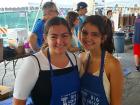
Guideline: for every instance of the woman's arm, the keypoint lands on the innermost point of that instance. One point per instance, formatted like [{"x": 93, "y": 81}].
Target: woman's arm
[
  {"x": 18, "y": 102},
  {"x": 25, "y": 81},
  {"x": 116, "y": 82}
]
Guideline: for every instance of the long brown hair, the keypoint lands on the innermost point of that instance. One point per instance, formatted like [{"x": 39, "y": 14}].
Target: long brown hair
[{"x": 108, "y": 44}]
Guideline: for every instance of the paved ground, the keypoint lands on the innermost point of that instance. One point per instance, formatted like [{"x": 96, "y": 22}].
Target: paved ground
[{"x": 131, "y": 95}]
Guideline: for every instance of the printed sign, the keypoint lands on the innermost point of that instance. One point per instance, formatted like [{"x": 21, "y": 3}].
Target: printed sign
[
  {"x": 70, "y": 99},
  {"x": 90, "y": 98}
]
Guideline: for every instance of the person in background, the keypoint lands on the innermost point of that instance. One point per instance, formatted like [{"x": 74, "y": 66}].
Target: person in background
[
  {"x": 109, "y": 15},
  {"x": 36, "y": 38},
  {"x": 81, "y": 10},
  {"x": 73, "y": 21},
  {"x": 101, "y": 78},
  {"x": 136, "y": 47},
  {"x": 51, "y": 75}
]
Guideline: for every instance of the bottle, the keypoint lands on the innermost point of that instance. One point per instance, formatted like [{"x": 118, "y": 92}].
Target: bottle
[{"x": 27, "y": 47}]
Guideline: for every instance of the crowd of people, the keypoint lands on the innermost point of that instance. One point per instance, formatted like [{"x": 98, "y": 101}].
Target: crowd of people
[{"x": 57, "y": 75}]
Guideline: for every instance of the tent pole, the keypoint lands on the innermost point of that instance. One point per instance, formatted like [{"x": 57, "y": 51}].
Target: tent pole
[
  {"x": 5, "y": 23},
  {"x": 27, "y": 20}
]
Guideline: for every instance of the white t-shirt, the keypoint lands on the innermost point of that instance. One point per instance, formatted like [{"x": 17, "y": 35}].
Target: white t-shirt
[{"x": 29, "y": 71}]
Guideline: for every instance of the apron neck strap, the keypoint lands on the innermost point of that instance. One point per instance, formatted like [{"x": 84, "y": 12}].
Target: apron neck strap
[
  {"x": 70, "y": 59},
  {"x": 101, "y": 66},
  {"x": 87, "y": 64},
  {"x": 49, "y": 59}
]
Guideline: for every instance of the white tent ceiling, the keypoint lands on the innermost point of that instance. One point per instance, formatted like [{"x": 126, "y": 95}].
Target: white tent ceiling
[
  {"x": 24, "y": 3},
  {"x": 123, "y": 4},
  {"x": 13, "y": 3},
  {"x": 120, "y": 3}
]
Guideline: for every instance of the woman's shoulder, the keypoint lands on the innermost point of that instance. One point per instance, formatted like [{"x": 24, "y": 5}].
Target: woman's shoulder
[
  {"x": 112, "y": 63},
  {"x": 38, "y": 57},
  {"x": 112, "y": 66},
  {"x": 111, "y": 59},
  {"x": 83, "y": 56}
]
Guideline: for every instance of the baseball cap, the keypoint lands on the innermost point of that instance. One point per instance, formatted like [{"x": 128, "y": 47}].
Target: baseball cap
[{"x": 81, "y": 5}]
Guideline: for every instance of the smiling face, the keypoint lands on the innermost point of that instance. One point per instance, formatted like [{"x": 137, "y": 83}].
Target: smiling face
[
  {"x": 91, "y": 38},
  {"x": 58, "y": 39}
]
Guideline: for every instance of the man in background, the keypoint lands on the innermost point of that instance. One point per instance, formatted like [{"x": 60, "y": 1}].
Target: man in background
[
  {"x": 109, "y": 15},
  {"x": 81, "y": 10},
  {"x": 49, "y": 10}
]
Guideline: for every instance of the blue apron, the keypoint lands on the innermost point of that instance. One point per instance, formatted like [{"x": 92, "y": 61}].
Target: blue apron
[
  {"x": 65, "y": 88},
  {"x": 92, "y": 89}
]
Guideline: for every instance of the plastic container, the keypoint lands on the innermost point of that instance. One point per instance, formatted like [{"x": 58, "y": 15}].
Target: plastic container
[{"x": 119, "y": 40}]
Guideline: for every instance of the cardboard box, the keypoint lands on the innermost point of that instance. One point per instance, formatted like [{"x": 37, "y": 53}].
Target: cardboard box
[
  {"x": 5, "y": 92},
  {"x": 4, "y": 89}
]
